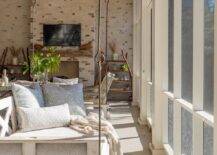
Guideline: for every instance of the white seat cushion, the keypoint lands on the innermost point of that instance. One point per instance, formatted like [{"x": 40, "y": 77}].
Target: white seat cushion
[{"x": 51, "y": 133}]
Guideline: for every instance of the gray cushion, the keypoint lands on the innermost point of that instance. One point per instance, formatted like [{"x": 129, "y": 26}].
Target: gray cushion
[
  {"x": 70, "y": 94},
  {"x": 65, "y": 81},
  {"x": 43, "y": 118},
  {"x": 28, "y": 96}
]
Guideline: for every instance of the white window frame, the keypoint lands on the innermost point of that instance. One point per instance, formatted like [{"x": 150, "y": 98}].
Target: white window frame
[
  {"x": 159, "y": 122},
  {"x": 196, "y": 108},
  {"x": 136, "y": 51},
  {"x": 160, "y": 48},
  {"x": 146, "y": 83}
]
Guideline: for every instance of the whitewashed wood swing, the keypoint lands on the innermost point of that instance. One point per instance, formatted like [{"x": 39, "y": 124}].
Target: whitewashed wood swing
[{"x": 54, "y": 141}]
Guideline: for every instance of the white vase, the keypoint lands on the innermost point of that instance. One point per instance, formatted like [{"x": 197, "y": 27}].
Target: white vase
[
  {"x": 115, "y": 56},
  {"x": 5, "y": 78},
  {"x": 14, "y": 61}
]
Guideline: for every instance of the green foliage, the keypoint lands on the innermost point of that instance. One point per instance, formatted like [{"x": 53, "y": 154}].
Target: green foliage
[
  {"x": 124, "y": 67},
  {"x": 43, "y": 63}
]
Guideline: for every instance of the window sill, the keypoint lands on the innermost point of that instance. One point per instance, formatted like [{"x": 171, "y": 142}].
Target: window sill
[
  {"x": 149, "y": 120},
  {"x": 168, "y": 149},
  {"x": 206, "y": 117},
  {"x": 150, "y": 83},
  {"x": 170, "y": 95},
  {"x": 187, "y": 105}
]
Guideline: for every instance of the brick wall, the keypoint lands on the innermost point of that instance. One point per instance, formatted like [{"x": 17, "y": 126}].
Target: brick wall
[{"x": 15, "y": 18}]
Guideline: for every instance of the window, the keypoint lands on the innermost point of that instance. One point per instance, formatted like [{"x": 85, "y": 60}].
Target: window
[
  {"x": 187, "y": 49},
  {"x": 208, "y": 54},
  {"x": 170, "y": 45},
  {"x": 186, "y": 75},
  {"x": 189, "y": 108},
  {"x": 186, "y": 132},
  {"x": 170, "y": 123},
  {"x": 170, "y": 70},
  {"x": 207, "y": 140},
  {"x": 151, "y": 47}
]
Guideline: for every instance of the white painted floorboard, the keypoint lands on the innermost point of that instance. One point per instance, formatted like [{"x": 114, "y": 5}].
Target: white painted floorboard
[{"x": 135, "y": 139}]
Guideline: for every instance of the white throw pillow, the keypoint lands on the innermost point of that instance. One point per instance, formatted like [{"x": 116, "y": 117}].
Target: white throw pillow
[
  {"x": 65, "y": 81},
  {"x": 28, "y": 96},
  {"x": 43, "y": 118}
]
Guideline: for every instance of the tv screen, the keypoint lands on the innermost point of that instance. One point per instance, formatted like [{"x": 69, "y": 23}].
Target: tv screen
[{"x": 62, "y": 35}]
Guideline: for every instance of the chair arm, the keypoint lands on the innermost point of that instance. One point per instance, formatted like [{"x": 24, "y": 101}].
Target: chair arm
[
  {"x": 91, "y": 104},
  {"x": 93, "y": 89}
]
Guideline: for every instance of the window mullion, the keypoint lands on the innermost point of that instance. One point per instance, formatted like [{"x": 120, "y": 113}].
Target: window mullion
[
  {"x": 197, "y": 136},
  {"x": 177, "y": 128},
  {"x": 198, "y": 54},
  {"x": 177, "y": 76},
  {"x": 177, "y": 48},
  {"x": 215, "y": 83},
  {"x": 165, "y": 121},
  {"x": 143, "y": 88},
  {"x": 198, "y": 74}
]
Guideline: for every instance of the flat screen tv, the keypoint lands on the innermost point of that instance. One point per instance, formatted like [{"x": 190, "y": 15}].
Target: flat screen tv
[{"x": 62, "y": 35}]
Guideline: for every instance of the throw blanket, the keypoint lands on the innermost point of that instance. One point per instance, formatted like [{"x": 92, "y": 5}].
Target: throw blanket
[{"x": 90, "y": 125}]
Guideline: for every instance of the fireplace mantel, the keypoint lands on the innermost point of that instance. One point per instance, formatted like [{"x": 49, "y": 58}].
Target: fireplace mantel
[
  {"x": 71, "y": 53},
  {"x": 86, "y": 63},
  {"x": 75, "y": 53}
]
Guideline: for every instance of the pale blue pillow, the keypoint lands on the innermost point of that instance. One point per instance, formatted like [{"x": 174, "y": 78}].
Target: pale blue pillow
[
  {"x": 60, "y": 94},
  {"x": 28, "y": 96},
  {"x": 43, "y": 118}
]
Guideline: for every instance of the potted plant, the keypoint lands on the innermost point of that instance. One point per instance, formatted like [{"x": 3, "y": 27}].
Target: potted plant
[
  {"x": 125, "y": 67},
  {"x": 42, "y": 64},
  {"x": 15, "y": 53},
  {"x": 113, "y": 49}
]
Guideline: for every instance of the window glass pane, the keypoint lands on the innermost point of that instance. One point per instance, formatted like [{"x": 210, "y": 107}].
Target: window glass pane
[
  {"x": 152, "y": 56},
  {"x": 207, "y": 140},
  {"x": 170, "y": 50},
  {"x": 208, "y": 54},
  {"x": 186, "y": 132},
  {"x": 187, "y": 49},
  {"x": 170, "y": 123},
  {"x": 152, "y": 102}
]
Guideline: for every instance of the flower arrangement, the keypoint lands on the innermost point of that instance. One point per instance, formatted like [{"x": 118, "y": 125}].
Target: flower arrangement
[{"x": 42, "y": 64}]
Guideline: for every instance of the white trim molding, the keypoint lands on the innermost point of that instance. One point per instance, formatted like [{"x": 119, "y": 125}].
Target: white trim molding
[
  {"x": 156, "y": 151},
  {"x": 160, "y": 48}
]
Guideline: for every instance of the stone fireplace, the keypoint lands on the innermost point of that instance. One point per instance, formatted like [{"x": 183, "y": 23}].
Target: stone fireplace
[
  {"x": 69, "y": 69},
  {"x": 83, "y": 62},
  {"x": 75, "y": 62}
]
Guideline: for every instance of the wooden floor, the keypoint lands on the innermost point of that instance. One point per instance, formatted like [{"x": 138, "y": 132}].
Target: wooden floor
[{"x": 134, "y": 138}]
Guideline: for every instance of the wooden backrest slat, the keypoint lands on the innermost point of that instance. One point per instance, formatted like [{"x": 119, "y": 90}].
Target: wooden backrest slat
[
  {"x": 8, "y": 105},
  {"x": 5, "y": 103}
]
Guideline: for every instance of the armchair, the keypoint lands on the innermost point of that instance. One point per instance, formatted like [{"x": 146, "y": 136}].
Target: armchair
[{"x": 91, "y": 94}]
